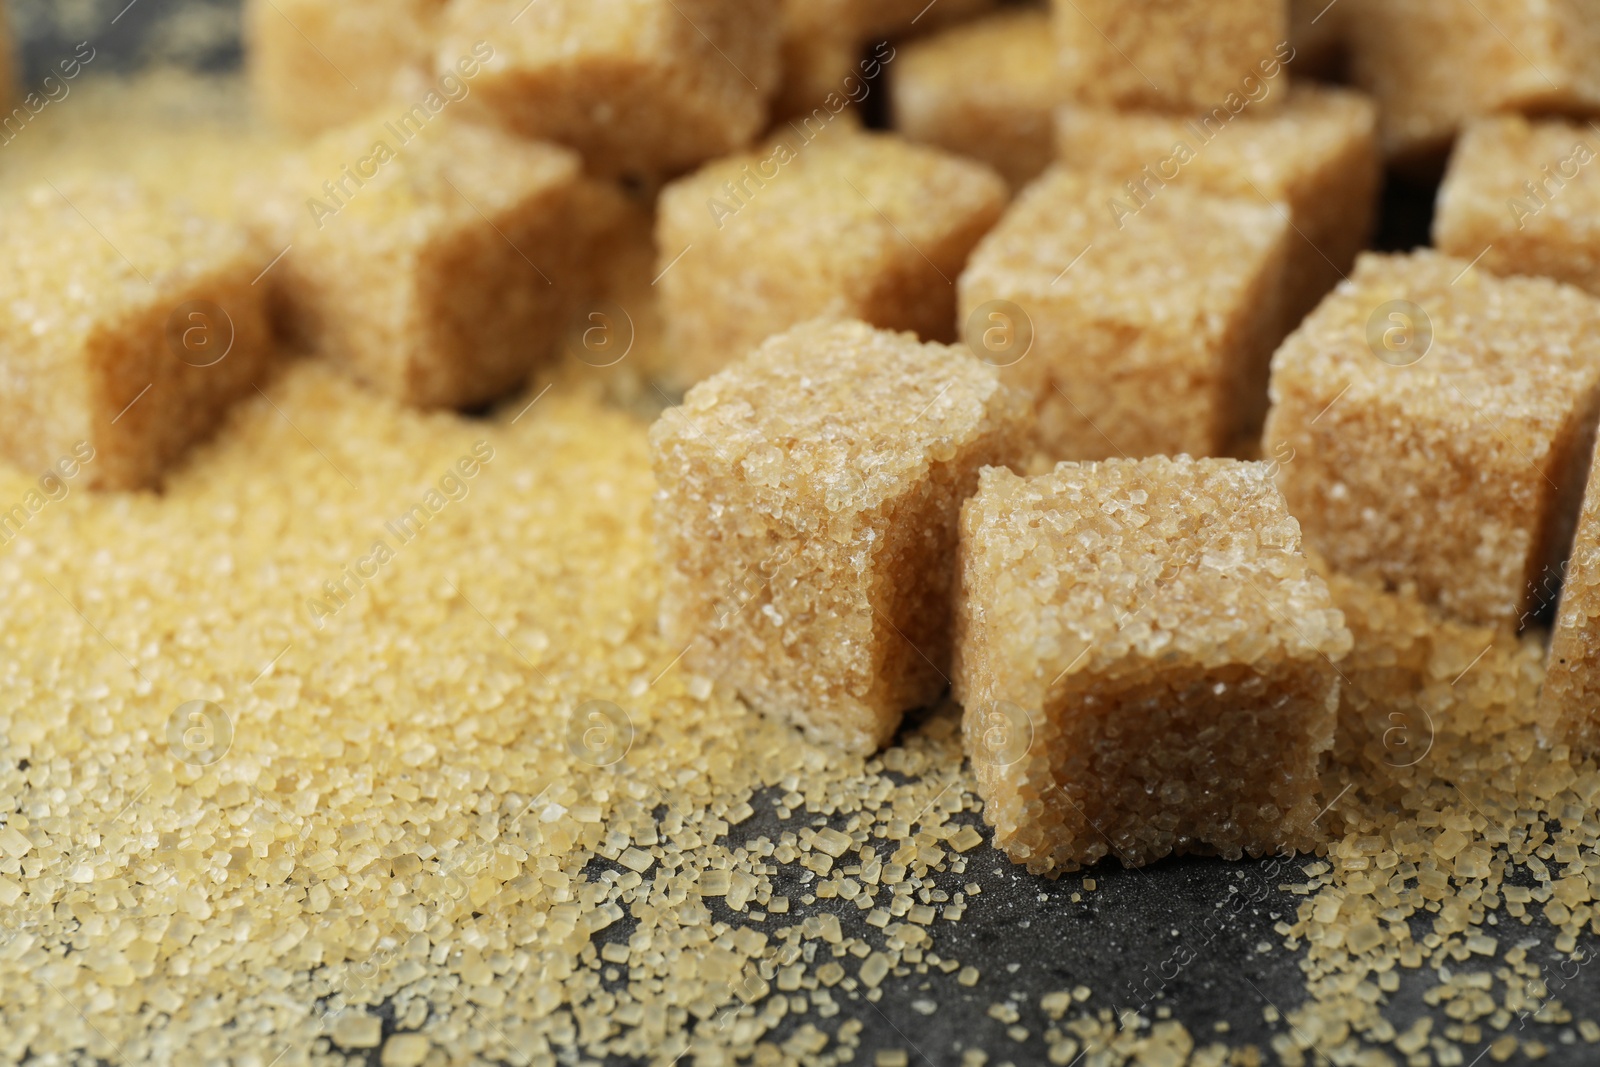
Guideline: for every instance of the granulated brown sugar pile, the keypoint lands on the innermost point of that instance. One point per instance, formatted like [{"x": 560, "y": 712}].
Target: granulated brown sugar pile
[
  {"x": 428, "y": 733},
  {"x": 358, "y": 740}
]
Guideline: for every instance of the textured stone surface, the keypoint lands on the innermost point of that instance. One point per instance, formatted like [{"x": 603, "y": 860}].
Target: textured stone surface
[{"x": 1177, "y": 55}]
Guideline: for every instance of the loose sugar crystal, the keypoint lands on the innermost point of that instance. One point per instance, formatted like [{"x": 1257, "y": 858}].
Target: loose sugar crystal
[
  {"x": 1148, "y": 328},
  {"x": 433, "y": 261},
  {"x": 128, "y": 329},
  {"x": 1178, "y": 55},
  {"x": 1434, "y": 65},
  {"x": 316, "y": 64},
  {"x": 826, "y": 220},
  {"x": 985, "y": 89},
  {"x": 1526, "y": 198},
  {"x": 1146, "y": 660},
  {"x": 1433, "y": 422},
  {"x": 806, "y": 521},
  {"x": 639, "y": 86},
  {"x": 1317, "y": 154}
]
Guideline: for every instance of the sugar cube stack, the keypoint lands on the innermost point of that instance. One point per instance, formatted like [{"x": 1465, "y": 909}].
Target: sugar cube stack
[
  {"x": 1434, "y": 65},
  {"x": 1569, "y": 703},
  {"x": 315, "y": 64},
  {"x": 128, "y": 329},
  {"x": 984, "y": 89},
  {"x": 1524, "y": 197},
  {"x": 1173, "y": 55},
  {"x": 637, "y": 86},
  {"x": 436, "y": 263},
  {"x": 824, "y": 220},
  {"x": 1439, "y": 420},
  {"x": 806, "y": 521},
  {"x": 1151, "y": 331},
  {"x": 1146, "y": 660},
  {"x": 1317, "y": 155}
]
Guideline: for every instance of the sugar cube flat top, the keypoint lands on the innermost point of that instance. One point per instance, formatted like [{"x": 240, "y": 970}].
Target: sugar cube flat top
[
  {"x": 1523, "y": 195},
  {"x": 80, "y": 249},
  {"x": 1106, "y": 567},
  {"x": 1129, "y": 270},
  {"x": 866, "y": 411},
  {"x": 1174, "y": 55},
  {"x": 316, "y": 65},
  {"x": 1499, "y": 352},
  {"x": 857, "y": 191},
  {"x": 580, "y": 622},
  {"x": 641, "y": 87},
  {"x": 1006, "y": 57},
  {"x": 399, "y": 183},
  {"x": 1276, "y": 154}
]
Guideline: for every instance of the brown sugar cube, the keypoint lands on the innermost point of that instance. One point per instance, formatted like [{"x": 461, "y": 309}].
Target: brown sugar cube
[
  {"x": 806, "y": 521},
  {"x": 985, "y": 89},
  {"x": 1136, "y": 335},
  {"x": 435, "y": 264},
  {"x": 1524, "y": 196},
  {"x": 1317, "y": 154},
  {"x": 129, "y": 326},
  {"x": 1146, "y": 660},
  {"x": 1435, "y": 421},
  {"x": 316, "y": 64},
  {"x": 827, "y": 220},
  {"x": 1569, "y": 703},
  {"x": 636, "y": 86},
  {"x": 1178, "y": 55},
  {"x": 1434, "y": 65}
]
